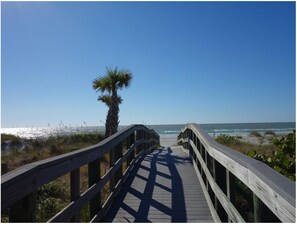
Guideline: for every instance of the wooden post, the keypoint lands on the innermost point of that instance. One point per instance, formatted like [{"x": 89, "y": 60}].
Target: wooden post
[
  {"x": 74, "y": 191},
  {"x": 128, "y": 144},
  {"x": 138, "y": 137},
  {"x": 215, "y": 179},
  {"x": 118, "y": 155},
  {"x": 111, "y": 164},
  {"x": 230, "y": 185},
  {"x": 191, "y": 151},
  {"x": 221, "y": 182},
  {"x": 132, "y": 141},
  {"x": 94, "y": 177},
  {"x": 257, "y": 209},
  {"x": 24, "y": 210}
]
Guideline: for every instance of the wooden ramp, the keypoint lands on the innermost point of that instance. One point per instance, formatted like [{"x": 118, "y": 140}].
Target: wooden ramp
[{"x": 162, "y": 187}]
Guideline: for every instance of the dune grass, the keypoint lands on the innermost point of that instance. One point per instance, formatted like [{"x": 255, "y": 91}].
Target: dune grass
[
  {"x": 54, "y": 196},
  {"x": 22, "y": 151}
]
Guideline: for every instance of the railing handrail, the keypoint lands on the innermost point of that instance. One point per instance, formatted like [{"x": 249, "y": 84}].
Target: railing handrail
[
  {"x": 260, "y": 178},
  {"x": 19, "y": 183}
]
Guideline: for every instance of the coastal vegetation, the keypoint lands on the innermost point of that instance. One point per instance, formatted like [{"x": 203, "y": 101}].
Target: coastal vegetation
[
  {"x": 278, "y": 152},
  {"x": 54, "y": 196},
  {"x": 16, "y": 151},
  {"x": 110, "y": 83}
]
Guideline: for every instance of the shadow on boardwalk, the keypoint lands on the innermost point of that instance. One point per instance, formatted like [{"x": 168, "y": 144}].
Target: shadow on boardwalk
[{"x": 153, "y": 192}]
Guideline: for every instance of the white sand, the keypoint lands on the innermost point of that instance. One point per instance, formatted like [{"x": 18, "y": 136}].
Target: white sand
[
  {"x": 171, "y": 140},
  {"x": 168, "y": 140}
]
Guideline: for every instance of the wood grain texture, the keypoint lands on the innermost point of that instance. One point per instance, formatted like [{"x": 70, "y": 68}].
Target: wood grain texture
[
  {"x": 18, "y": 184},
  {"x": 272, "y": 188},
  {"x": 163, "y": 187}
]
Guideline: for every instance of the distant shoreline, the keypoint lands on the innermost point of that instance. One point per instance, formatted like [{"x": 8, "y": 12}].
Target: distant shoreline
[{"x": 233, "y": 129}]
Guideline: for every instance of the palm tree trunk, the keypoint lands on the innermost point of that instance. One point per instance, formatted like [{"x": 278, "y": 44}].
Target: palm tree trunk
[
  {"x": 114, "y": 107},
  {"x": 108, "y": 124}
]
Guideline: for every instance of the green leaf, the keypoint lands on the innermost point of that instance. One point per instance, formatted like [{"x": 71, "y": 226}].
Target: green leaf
[
  {"x": 251, "y": 153},
  {"x": 277, "y": 168}
]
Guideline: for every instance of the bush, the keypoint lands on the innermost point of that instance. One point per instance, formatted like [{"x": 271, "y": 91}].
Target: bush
[
  {"x": 51, "y": 198},
  {"x": 16, "y": 140},
  {"x": 282, "y": 160},
  {"x": 227, "y": 139}
]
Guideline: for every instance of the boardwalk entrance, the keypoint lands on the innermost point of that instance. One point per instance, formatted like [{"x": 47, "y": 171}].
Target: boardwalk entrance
[{"x": 163, "y": 187}]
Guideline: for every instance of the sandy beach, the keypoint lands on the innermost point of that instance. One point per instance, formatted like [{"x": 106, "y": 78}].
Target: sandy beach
[
  {"x": 171, "y": 140},
  {"x": 168, "y": 140}
]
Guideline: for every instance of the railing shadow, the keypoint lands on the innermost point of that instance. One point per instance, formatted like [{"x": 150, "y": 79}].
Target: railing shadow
[{"x": 162, "y": 194}]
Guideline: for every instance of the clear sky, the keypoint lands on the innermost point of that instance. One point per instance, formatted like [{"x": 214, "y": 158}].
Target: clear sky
[{"x": 203, "y": 62}]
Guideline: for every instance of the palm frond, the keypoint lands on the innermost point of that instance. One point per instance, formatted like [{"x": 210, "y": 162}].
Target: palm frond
[
  {"x": 102, "y": 84},
  {"x": 124, "y": 79},
  {"x": 107, "y": 99}
]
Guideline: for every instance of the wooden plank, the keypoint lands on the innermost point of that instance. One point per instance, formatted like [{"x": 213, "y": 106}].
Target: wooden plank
[
  {"x": 21, "y": 182},
  {"x": 275, "y": 190},
  {"x": 178, "y": 199},
  {"x": 71, "y": 209},
  {"x": 93, "y": 190},
  {"x": 94, "y": 177},
  {"x": 233, "y": 214},
  {"x": 24, "y": 210},
  {"x": 75, "y": 191}
]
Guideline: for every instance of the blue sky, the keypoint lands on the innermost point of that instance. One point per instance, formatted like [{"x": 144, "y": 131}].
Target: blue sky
[{"x": 203, "y": 62}]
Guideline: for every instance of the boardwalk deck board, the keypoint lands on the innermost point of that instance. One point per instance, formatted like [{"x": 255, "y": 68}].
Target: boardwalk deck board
[{"x": 163, "y": 187}]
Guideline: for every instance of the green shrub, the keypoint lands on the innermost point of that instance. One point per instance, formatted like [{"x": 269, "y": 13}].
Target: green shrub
[
  {"x": 51, "y": 198},
  {"x": 282, "y": 160},
  {"x": 16, "y": 140},
  {"x": 227, "y": 139}
]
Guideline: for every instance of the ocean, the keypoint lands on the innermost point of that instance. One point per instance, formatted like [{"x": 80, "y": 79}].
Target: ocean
[{"x": 237, "y": 129}]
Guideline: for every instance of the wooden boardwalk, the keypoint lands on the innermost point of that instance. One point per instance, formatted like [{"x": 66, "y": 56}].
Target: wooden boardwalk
[{"x": 162, "y": 187}]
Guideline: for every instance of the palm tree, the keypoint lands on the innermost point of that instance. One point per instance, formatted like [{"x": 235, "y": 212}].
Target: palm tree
[
  {"x": 111, "y": 83},
  {"x": 106, "y": 99}
]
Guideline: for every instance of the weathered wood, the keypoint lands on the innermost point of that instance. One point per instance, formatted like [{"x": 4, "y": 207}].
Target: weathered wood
[
  {"x": 111, "y": 197},
  {"x": 94, "y": 177},
  {"x": 24, "y": 210},
  {"x": 74, "y": 191},
  {"x": 17, "y": 185},
  {"x": 96, "y": 188},
  {"x": 163, "y": 187},
  {"x": 233, "y": 214},
  {"x": 257, "y": 209},
  {"x": 272, "y": 188}
]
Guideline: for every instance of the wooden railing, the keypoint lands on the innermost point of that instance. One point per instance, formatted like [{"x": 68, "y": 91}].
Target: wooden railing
[
  {"x": 233, "y": 182},
  {"x": 18, "y": 188}
]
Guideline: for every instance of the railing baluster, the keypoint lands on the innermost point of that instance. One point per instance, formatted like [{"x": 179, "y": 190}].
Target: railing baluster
[
  {"x": 257, "y": 211},
  {"x": 94, "y": 177},
  {"x": 24, "y": 210},
  {"x": 226, "y": 170},
  {"x": 132, "y": 141},
  {"x": 118, "y": 155},
  {"x": 230, "y": 185},
  {"x": 112, "y": 182},
  {"x": 74, "y": 191}
]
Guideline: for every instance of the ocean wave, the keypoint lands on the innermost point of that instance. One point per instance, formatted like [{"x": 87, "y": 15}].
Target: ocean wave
[{"x": 171, "y": 131}]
